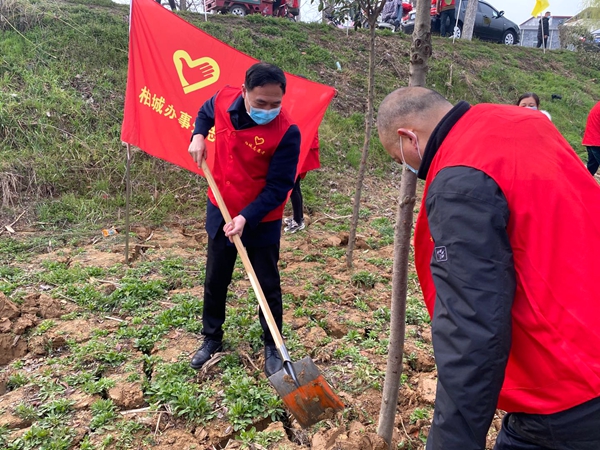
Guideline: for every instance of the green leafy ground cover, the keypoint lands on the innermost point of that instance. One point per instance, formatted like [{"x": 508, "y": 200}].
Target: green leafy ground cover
[{"x": 100, "y": 349}]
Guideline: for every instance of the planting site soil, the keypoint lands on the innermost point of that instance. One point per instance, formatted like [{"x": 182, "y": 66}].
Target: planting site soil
[{"x": 95, "y": 353}]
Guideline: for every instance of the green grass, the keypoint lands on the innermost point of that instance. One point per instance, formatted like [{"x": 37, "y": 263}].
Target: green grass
[{"x": 62, "y": 83}]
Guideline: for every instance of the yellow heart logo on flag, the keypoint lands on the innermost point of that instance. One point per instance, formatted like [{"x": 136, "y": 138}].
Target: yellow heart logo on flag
[
  {"x": 258, "y": 140},
  {"x": 207, "y": 73}
]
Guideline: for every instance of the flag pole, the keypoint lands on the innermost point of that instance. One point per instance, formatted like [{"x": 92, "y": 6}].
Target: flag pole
[
  {"x": 127, "y": 198},
  {"x": 456, "y": 24},
  {"x": 205, "y": 11}
]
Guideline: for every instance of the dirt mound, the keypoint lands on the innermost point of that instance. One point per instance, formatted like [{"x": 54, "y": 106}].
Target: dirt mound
[{"x": 16, "y": 320}]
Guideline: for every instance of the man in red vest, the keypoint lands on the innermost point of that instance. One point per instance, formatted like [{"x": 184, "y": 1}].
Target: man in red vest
[
  {"x": 506, "y": 246},
  {"x": 256, "y": 154},
  {"x": 446, "y": 10},
  {"x": 591, "y": 139}
]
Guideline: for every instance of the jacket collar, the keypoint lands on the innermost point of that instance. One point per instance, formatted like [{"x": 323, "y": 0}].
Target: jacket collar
[{"x": 439, "y": 134}]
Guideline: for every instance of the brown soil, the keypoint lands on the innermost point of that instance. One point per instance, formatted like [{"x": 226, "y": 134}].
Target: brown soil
[{"x": 353, "y": 429}]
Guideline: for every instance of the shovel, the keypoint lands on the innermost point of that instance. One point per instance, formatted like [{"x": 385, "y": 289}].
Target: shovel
[{"x": 301, "y": 386}]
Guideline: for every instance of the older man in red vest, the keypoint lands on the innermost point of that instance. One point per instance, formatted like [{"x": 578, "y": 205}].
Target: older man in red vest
[
  {"x": 505, "y": 249},
  {"x": 256, "y": 154}
]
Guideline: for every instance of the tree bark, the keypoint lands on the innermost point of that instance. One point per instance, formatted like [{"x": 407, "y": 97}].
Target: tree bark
[
  {"x": 469, "y": 24},
  {"x": 420, "y": 53}
]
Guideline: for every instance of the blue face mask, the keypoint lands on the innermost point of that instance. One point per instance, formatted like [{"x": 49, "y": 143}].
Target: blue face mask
[
  {"x": 411, "y": 168},
  {"x": 263, "y": 116},
  {"x": 408, "y": 166}
]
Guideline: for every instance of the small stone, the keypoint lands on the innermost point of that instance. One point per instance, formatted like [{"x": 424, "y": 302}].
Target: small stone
[{"x": 8, "y": 310}]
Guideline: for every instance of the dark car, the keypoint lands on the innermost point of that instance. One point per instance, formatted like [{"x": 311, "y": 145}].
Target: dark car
[{"x": 490, "y": 24}]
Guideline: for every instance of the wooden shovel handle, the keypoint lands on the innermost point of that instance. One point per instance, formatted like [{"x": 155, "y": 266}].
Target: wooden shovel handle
[{"x": 245, "y": 260}]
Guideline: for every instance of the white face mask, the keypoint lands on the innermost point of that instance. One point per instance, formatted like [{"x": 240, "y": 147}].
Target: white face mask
[
  {"x": 408, "y": 166},
  {"x": 532, "y": 107}
]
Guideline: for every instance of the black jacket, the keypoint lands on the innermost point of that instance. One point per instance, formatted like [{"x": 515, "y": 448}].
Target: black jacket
[{"x": 545, "y": 24}]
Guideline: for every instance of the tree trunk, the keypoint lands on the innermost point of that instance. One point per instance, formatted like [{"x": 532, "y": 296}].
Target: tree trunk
[
  {"x": 420, "y": 53},
  {"x": 420, "y": 50},
  {"x": 469, "y": 24},
  {"x": 365, "y": 151}
]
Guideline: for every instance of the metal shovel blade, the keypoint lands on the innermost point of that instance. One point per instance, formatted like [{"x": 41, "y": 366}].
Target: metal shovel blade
[{"x": 313, "y": 399}]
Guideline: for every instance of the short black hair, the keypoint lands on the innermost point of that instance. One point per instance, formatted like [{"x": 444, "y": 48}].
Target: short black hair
[
  {"x": 263, "y": 73},
  {"x": 529, "y": 95}
]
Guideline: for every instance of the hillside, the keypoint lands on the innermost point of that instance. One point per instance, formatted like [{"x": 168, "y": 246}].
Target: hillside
[
  {"x": 94, "y": 353},
  {"x": 64, "y": 74}
]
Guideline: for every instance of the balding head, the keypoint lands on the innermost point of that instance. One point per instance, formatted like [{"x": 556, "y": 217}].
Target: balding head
[{"x": 413, "y": 112}]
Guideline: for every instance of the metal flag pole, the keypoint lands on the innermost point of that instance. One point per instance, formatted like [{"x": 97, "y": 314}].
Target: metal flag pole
[
  {"x": 543, "y": 40},
  {"x": 127, "y": 198},
  {"x": 456, "y": 24}
]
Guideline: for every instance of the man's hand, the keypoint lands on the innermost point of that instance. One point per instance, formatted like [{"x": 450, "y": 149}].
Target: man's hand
[
  {"x": 197, "y": 149},
  {"x": 236, "y": 226}
]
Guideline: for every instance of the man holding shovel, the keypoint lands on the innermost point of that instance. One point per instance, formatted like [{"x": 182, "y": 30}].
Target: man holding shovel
[
  {"x": 256, "y": 154},
  {"x": 505, "y": 247}
]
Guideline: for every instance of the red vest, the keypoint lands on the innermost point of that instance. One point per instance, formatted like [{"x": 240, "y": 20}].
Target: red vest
[
  {"x": 443, "y": 5},
  {"x": 554, "y": 231},
  {"x": 242, "y": 157},
  {"x": 591, "y": 137}
]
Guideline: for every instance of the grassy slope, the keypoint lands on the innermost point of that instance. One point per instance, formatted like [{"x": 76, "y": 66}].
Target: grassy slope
[{"x": 62, "y": 83}]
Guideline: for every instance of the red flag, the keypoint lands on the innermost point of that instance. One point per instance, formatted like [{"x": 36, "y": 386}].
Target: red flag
[{"x": 175, "y": 67}]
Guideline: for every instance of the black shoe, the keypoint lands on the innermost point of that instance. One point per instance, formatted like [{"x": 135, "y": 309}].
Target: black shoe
[
  {"x": 204, "y": 353},
  {"x": 272, "y": 360}
]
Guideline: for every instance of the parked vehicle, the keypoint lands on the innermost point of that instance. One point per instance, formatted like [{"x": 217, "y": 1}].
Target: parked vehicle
[
  {"x": 240, "y": 7},
  {"x": 490, "y": 24},
  {"x": 288, "y": 8}
]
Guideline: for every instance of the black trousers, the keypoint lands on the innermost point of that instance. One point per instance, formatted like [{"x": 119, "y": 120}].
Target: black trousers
[
  {"x": 449, "y": 16},
  {"x": 577, "y": 428},
  {"x": 219, "y": 269},
  {"x": 296, "y": 199},
  {"x": 544, "y": 42},
  {"x": 593, "y": 162}
]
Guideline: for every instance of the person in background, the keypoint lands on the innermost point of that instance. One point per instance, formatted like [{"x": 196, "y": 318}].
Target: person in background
[
  {"x": 532, "y": 101},
  {"x": 388, "y": 12},
  {"x": 256, "y": 154},
  {"x": 402, "y": 9},
  {"x": 277, "y": 7},
  {"x": 312, "y": 162},
  {"x": 506, "y": 245},
  {"x": 543, "y": 30},
  {"x": 591, "y": 139},
  {"x": 446, "y": 10}
]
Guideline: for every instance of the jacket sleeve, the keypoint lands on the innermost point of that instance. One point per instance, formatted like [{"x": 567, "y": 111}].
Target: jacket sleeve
[
  {"x": 474, "y": 277},
  {"x": 205, "y": 119},
  {"x": 281, "y": 177}
]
